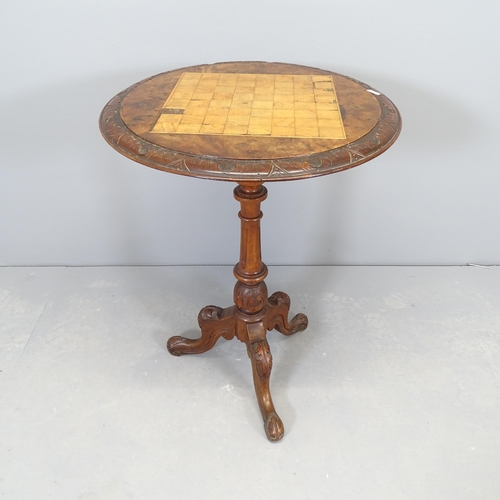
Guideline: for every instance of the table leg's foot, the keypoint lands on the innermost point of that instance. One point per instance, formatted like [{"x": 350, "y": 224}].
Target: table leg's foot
[
  {"x": 214, "y": 322},
  {"x": 274, "y": 427},
  {"x": 262, "y": 363},
  {"x": 277, "y": 315}
]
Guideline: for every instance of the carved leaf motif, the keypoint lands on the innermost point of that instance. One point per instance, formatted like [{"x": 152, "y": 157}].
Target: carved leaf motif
[
  {"x": 179, "y": 164},
  {"x": 355, "y": 155},
  {"x": 263, "y": 359},
  {"x": 277, "y": 170},
  {"x": 226, "y": 166}
]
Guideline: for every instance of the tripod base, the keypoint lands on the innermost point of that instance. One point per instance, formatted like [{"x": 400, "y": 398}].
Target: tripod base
[{"x": 216, "y": 322}]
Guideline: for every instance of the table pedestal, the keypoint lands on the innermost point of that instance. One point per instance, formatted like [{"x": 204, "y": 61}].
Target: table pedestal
[{"x": 253, "y": 314}]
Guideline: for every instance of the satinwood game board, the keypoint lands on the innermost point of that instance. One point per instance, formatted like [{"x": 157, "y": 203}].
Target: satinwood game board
[{"x": 241, "y": 104}]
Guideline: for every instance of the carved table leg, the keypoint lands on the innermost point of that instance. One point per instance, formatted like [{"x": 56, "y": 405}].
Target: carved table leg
[
  {"x": 262, "y": 363},
  {"x": 214, "y": 322},
  {"x": 277, "y": 315}
]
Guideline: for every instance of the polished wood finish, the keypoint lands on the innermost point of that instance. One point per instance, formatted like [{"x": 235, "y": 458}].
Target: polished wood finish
[
  {"x": 250, "y": 123},
  {"x": 252, "y": 105},
  {"x": 370, "y": 120}
]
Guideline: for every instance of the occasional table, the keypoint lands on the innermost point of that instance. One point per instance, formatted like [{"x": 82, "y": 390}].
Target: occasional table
[{"x": 250, "y": 123}]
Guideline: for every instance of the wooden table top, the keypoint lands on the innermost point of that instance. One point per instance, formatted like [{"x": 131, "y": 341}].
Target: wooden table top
[{"x": 251, "y": 121}]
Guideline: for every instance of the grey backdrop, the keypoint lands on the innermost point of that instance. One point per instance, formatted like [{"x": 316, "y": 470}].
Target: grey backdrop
[{"x": 67, "y": 198}]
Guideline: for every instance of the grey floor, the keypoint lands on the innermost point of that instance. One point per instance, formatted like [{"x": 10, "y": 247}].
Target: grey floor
[{"x": 391, "y": 393}]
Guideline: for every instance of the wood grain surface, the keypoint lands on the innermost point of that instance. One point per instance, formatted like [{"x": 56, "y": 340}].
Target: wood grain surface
[
  {"x": 299, "y": 122},
  {"x": 243, "y": 104}
]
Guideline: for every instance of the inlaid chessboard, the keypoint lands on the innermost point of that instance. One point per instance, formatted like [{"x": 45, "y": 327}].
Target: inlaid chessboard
[{"x": 240, "y": 104}]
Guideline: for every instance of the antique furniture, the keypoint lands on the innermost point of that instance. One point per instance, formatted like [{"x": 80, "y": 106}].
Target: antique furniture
[{"x": 250, "y": 123}]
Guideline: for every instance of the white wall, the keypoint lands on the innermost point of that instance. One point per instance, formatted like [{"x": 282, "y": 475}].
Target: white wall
[{"x": 67, "y": 198}]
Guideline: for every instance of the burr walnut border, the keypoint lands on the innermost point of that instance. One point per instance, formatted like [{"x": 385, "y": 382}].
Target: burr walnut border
[{"x": 375, "y": 142}]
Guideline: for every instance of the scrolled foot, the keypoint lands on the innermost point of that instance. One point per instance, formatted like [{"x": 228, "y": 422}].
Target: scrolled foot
[
  {"x": 277, "y": 316},
  {"x": 176, "y": 345},
  {"x": 298, "y": 324},
  {"x": 214, "y": 322}
]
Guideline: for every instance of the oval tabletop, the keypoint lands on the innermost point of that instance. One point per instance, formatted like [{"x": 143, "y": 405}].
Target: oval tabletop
[{"x": 251, "y": 121}]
